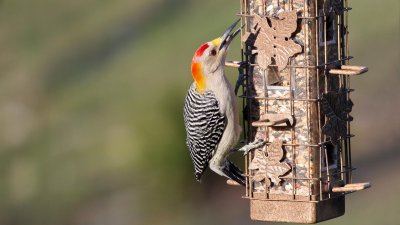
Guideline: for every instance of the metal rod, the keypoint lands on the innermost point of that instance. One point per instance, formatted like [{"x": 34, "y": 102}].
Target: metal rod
[
  {"x": 299, "y": 17},
  {"x": 327, "y": 168},
  {"x": 315, "y": 178},
  {"x": 308, "y": 90},
  {"x": 244, "y": 101},
  {"x": 317, "y": 44},
  {"x": 266, "y": 102},
  {"x": 236, "y": 64},
  {"x": 348, "y": 94},
  {"x": 281, "y": 99},
  {"x": 266, "y": 137}
]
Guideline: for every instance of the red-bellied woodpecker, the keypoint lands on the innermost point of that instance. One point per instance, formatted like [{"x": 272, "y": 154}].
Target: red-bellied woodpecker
[{"x": 210, "y": 111}]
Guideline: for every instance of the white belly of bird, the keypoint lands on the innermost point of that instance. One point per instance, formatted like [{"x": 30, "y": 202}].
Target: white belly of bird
[{"x": 228, "y": 106}]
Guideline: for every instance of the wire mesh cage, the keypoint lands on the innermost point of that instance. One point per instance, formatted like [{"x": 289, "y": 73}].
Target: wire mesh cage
[{"x": 296, "y": 98}]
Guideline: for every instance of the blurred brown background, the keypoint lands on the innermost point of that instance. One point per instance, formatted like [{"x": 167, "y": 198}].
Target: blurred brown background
[{"x": 91, "y": 128}]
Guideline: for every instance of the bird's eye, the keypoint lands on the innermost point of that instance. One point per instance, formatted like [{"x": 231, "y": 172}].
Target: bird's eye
[{"x": 213, "y": 52}]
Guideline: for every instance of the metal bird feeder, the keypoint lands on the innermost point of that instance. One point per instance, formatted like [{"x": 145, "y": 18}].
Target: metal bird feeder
[{"x": 296, "y": 98}]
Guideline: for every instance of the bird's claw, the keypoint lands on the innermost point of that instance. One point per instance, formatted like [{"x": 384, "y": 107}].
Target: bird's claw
[
  {"x": 250, "y": 146},
  {"x": 241, "y": 77},
  {"x": 239, "y": 83}
]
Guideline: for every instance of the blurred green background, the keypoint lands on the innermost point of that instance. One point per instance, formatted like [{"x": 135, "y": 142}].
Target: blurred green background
[{"x": 91, "y": 128}]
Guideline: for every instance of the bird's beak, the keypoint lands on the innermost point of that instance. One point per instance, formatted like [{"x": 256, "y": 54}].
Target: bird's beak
[{"x": 227, "y": 37}]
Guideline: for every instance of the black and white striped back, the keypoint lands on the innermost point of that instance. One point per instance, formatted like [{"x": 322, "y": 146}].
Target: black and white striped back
[{"x": 204, "y": 127}]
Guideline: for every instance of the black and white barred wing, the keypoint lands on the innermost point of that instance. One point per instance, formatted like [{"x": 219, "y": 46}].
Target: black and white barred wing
[{"x": 204, "y": 128}]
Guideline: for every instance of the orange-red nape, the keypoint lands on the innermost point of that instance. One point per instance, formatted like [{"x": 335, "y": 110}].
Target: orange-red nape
[{"x": 198, "y": 76}]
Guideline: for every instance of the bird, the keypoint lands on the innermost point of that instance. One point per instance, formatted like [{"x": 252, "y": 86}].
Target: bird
[{"x": 210, "y": 112}]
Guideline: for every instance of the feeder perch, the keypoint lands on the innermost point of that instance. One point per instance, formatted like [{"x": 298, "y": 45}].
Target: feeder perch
[
  {"x": 296, "y": 99},
  {"x": 352, "y": 187},
  {"x": 349, "y": 70},
  {"x": 233, "y": 64},
  {"x": 274, "y": 120}
]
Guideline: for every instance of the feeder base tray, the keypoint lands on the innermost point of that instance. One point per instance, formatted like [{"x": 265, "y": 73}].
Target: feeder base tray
[{"x": 297, "y": 211}]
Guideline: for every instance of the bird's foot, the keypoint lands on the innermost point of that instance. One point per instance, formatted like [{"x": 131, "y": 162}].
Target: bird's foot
[
  {"x": 250, "y": 146},
  {"x": 239, "y": 82},
  {"x": 241, "y": 77}
]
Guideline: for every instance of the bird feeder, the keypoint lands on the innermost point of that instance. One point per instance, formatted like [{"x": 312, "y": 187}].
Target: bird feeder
[{"x": 296, "y": 98}]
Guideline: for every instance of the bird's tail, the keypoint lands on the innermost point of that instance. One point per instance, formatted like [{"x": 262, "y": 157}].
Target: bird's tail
[{"x": 234, "y": 173}]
